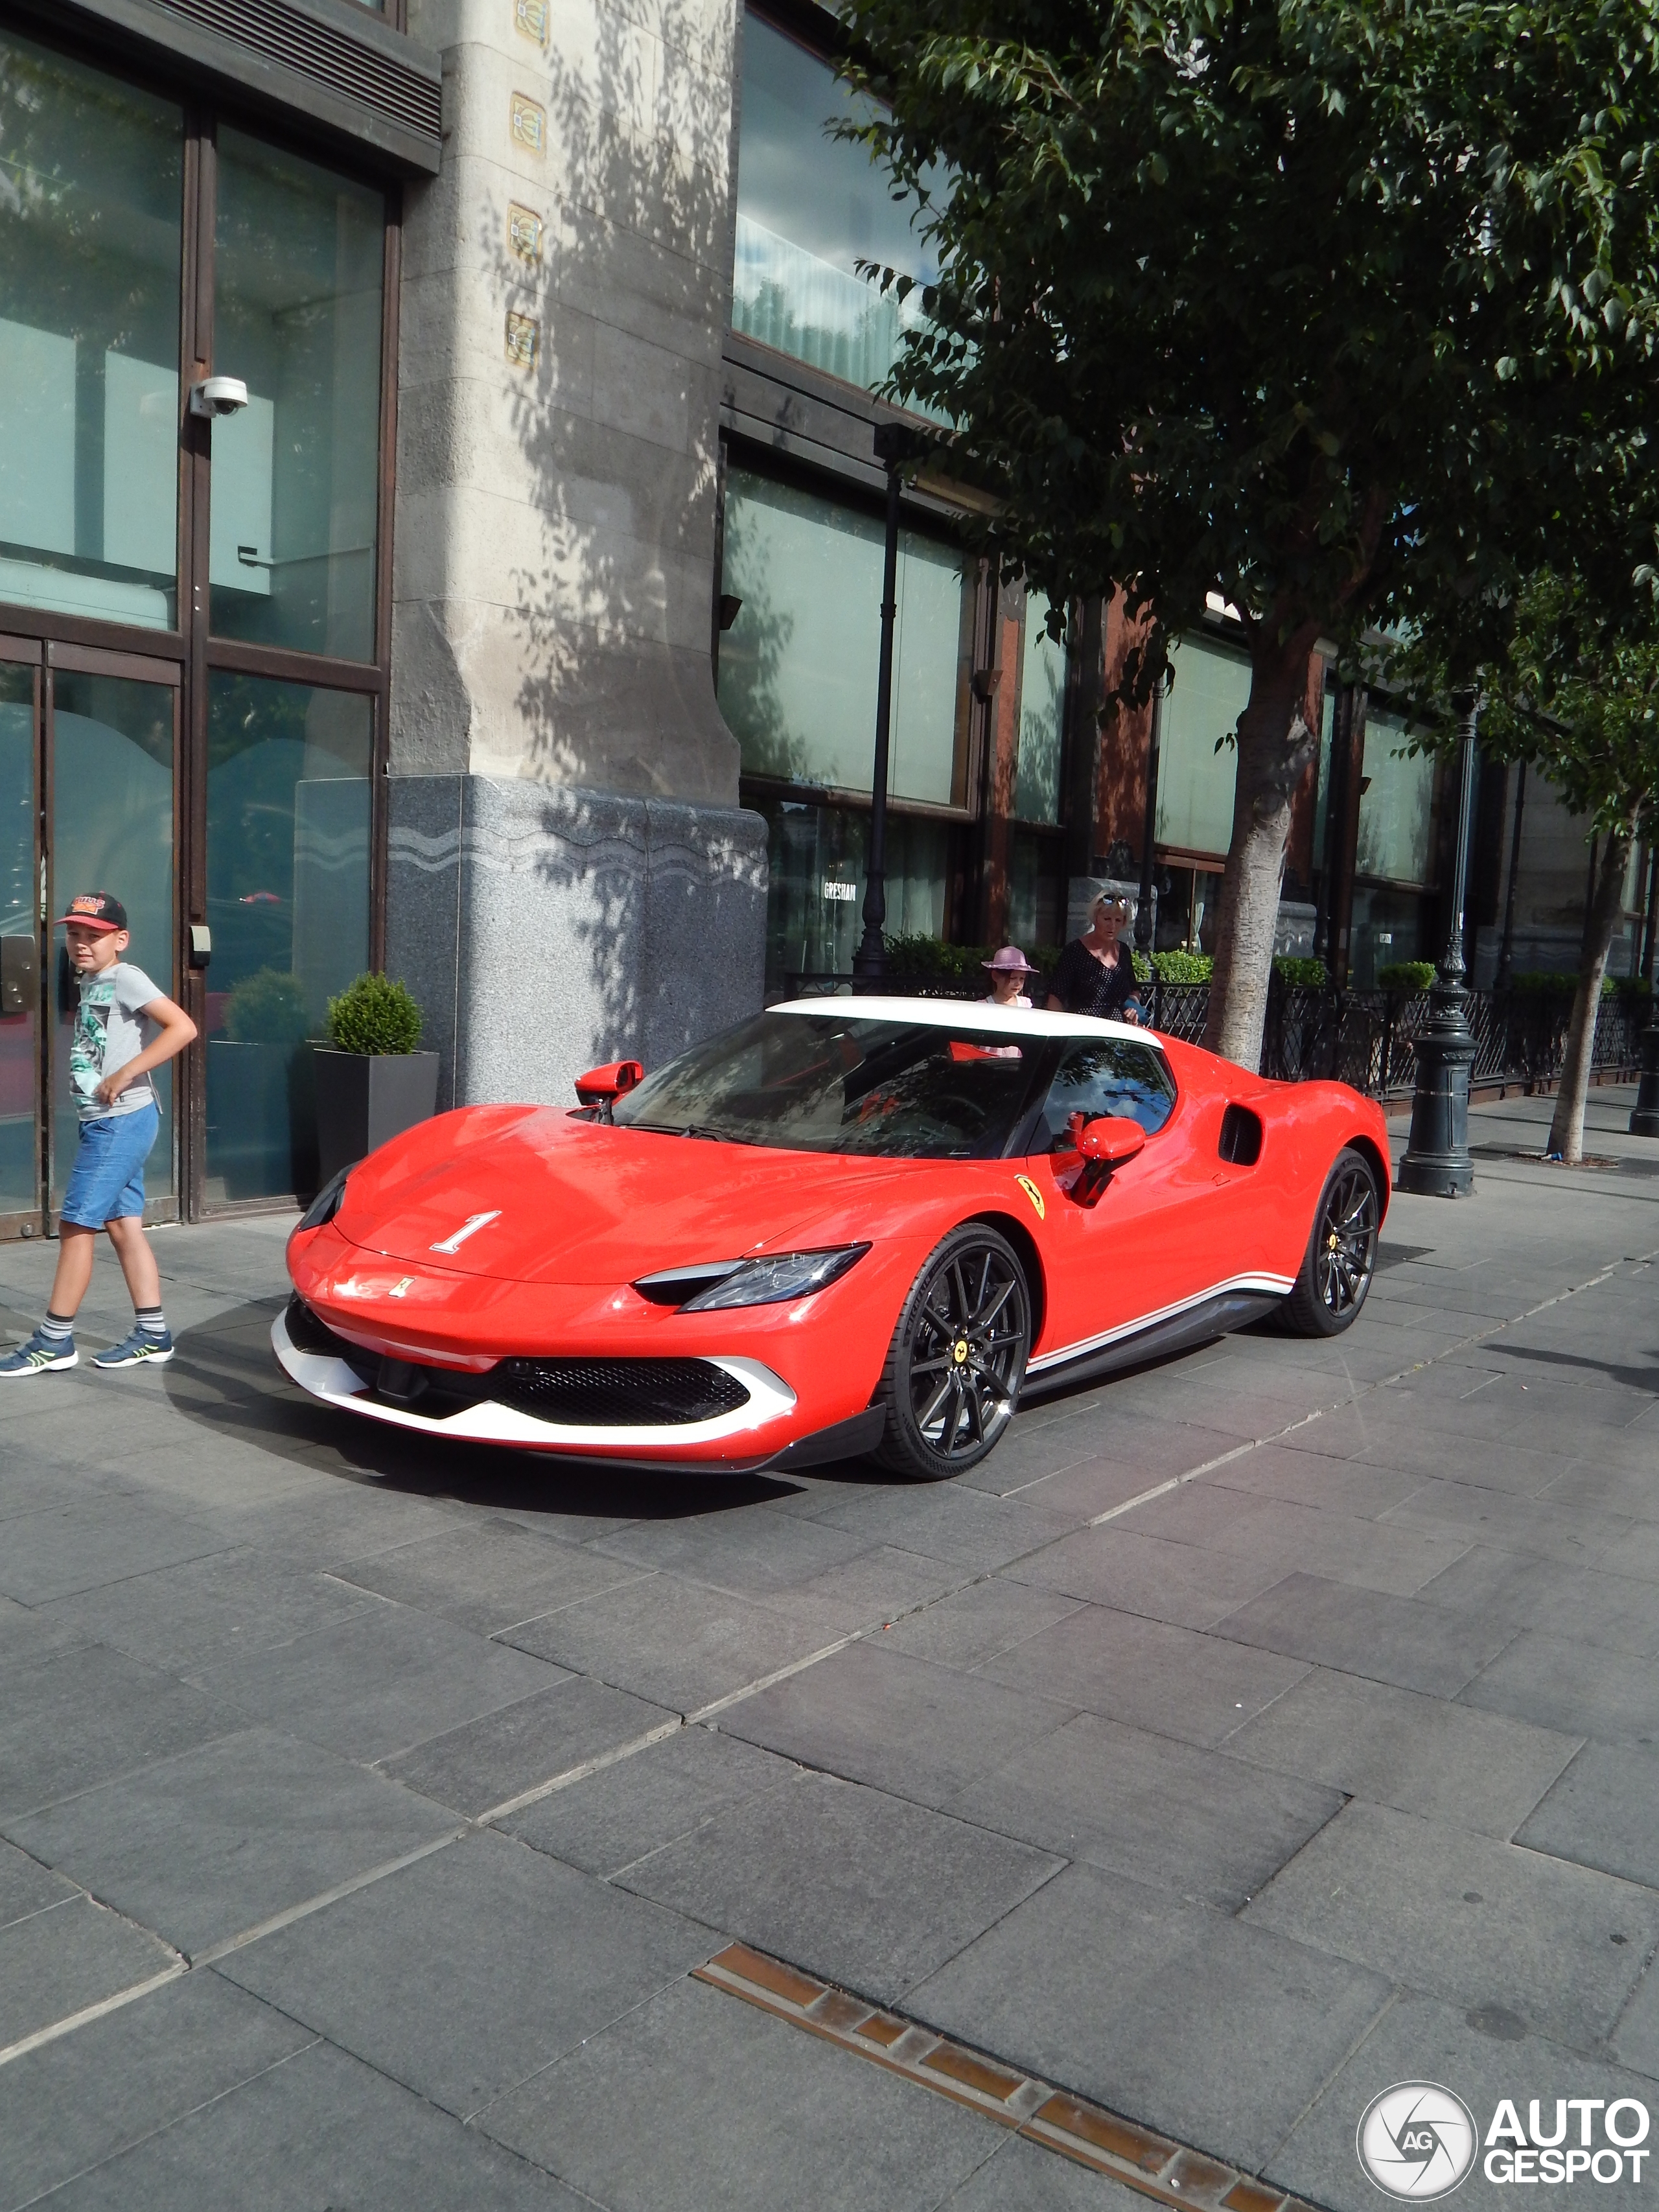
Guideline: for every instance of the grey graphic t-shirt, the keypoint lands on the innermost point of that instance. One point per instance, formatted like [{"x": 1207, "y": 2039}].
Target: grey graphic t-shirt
[{"x": 109, "y": 1031}]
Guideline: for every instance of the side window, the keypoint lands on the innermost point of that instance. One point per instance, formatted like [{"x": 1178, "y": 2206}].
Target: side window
[{"x": 1111, "y": 1077}]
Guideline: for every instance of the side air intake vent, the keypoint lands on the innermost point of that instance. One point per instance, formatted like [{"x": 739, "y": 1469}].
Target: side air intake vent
[{"x": 1241, "y": 1136}]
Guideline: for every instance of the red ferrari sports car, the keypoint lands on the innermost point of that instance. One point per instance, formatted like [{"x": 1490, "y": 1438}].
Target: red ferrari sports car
[{"x": 849, "y": 1225}]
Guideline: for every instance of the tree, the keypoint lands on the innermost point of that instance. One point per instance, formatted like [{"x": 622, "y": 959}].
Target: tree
[
  {"x": 1574, "y": 692},
  {"x": 1319, "y": 306}
]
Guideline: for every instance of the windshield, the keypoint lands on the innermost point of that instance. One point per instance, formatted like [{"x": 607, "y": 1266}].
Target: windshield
[{"x": 808, "y": 1083}]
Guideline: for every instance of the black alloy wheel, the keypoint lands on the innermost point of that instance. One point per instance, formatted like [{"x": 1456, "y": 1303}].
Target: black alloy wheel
[
  {"x": 1341, "y": 1255},
  {"x": 957, "y": 1357}
]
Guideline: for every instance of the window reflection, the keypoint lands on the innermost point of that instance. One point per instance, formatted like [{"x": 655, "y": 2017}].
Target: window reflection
[
  {"x": 1397, "y": 803},
  {"x": 1132, "y": 1081},
  {"x": 288, "y": 821},
  {"x": 810, "y": 208},
  {"x": 295, "y": 473},
  {"x": 91, "y": 184},
  {"x": 1041, "y": 717},
  {"x": 815, "y": 895},
  {"x": 1210, "y": 691},
  {"x": 798, "y": 667}
]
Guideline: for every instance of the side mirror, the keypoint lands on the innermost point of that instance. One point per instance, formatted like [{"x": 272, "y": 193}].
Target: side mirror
[
  {"x": 603, "y": 1086},
  {"x": 1110, "y": 1140},
  {"x": 1105, "y": 1143}
]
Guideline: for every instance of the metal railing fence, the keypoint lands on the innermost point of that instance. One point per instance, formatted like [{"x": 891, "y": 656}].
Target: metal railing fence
[{"x": 1362, "y": 1038}]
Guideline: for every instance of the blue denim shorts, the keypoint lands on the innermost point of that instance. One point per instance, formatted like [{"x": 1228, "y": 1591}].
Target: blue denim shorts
[{"x": 107, "y": 1181}]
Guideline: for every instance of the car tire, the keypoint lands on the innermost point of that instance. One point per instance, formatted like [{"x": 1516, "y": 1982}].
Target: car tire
[
  {"x": 957, "y": 1357},
  {"x": 1340, "y": 1259}
]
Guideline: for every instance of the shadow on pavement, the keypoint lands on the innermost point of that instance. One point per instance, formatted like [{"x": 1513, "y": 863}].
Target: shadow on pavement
[{"x": 1628, "y": 1378}]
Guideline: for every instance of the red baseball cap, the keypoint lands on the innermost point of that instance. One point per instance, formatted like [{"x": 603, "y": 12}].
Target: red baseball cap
[{"x": 94, "y": 911}]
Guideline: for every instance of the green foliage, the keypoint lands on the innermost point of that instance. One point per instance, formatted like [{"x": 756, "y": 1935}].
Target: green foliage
[
  {"x": 1545, "y": 983},
  {"x": 1406, "y": 976},
  {"x": 1337, "y": 310},
  {"x": 1572, "y": 689},
  {"x": 1329, "y": 307},
  {"x": 1295, "y": 969},
  {"x": 374, "y": 1016},
  {"x": 1182, "y": 967},
  {"x": 267, "y": 1007}
]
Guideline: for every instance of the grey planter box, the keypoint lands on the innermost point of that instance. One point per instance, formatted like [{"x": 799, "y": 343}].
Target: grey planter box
[{"x": 364, "y": 1099}]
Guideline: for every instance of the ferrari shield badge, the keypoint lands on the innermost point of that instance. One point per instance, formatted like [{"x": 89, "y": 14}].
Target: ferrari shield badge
[{"x": 1034, "y": 1194}]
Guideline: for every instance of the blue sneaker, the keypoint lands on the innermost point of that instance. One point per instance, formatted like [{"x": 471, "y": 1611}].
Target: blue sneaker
[
  {"x": 39, "y": 1354},
  {"x": 139, "y": 1350}
]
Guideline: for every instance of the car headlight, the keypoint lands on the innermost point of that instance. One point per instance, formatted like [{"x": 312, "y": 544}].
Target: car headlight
[
  {"x": 774, "y": 1280},
  {"x": 327, "y": 1202}
]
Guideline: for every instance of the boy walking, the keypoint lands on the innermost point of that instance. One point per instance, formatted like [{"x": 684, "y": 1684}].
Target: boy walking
[{"x": 110, "y": 1068}]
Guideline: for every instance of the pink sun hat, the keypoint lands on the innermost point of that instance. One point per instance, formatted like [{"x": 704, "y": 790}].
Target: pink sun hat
[{"x": 1011, "y": 961}]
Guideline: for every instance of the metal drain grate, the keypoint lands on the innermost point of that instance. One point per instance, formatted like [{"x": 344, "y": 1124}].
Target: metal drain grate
[{"x": 1150, "y": 2164}]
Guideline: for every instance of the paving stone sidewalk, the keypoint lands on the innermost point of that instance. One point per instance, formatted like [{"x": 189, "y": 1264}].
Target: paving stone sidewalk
[{"x": 1333, "y": 1761}]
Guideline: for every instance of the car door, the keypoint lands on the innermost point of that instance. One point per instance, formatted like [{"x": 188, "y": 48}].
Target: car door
[{"x": 1146, "y": 1244}]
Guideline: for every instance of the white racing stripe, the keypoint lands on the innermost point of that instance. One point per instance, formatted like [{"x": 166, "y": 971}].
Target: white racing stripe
[{"x": 1263, "y": 1285}]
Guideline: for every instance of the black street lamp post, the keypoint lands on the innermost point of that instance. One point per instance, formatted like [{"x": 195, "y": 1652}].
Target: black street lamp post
[
  {"x": 1644, "y": 1115},
  {"x": 1144, "y": 932},
  {"x": 1437, "y": 1163},
  {"x": 1505, "y": 955},
  {"x": 895, "y": 444}
]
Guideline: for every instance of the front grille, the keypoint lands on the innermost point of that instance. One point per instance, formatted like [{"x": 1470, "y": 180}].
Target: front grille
[
  {"x": 592, "y": 1394},
  {"x": 615, "y": 1394}
]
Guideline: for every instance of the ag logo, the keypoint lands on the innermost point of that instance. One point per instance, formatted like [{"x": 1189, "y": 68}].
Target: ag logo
[{"x": 1417, "y": 2140}]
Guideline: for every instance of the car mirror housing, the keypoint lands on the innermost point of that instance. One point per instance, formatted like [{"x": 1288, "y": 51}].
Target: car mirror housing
[
  {"x": 1111, "y": 1139},
  {"x": 1105, "y": 1144},
  {"x": 603, "y": 1086}
]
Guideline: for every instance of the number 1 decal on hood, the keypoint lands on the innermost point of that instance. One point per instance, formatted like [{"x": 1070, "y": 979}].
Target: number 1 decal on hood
[{"x": 470, "y": 1227}]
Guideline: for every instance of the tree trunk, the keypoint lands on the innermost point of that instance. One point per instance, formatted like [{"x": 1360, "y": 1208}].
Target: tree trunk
[
  {"x": 1274, "y": 747},
  {"x": 1601, "y": 920}
]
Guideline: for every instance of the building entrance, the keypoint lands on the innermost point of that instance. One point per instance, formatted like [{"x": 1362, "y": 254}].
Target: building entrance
[
  {"x": 88, "y": 779},
  {"x": 194, "y": 610}
]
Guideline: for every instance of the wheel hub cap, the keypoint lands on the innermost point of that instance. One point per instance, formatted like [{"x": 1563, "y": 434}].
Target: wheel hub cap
[{"x": 960, "y": 1351}]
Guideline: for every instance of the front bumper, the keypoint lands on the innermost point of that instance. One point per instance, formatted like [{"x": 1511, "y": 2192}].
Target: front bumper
[{"x": 753, "y": 1435}]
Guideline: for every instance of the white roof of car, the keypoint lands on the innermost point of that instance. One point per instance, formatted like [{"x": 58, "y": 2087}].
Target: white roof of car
[{"x": 962, "y": 1014}]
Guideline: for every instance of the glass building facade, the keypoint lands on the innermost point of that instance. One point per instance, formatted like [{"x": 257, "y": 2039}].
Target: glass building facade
[
  {"x": 192, "y": 633},
  {"x": 811, "y": 209},
  {"x": 975, "y": 781}
]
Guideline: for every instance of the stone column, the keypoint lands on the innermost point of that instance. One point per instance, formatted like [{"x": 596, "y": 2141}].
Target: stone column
[{"x": 570, "y": 875}]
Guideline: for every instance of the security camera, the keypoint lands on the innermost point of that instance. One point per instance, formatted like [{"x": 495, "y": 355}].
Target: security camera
[{"x": 218, "y": 395}]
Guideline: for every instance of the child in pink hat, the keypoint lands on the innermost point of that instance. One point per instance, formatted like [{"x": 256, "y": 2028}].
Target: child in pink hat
[{"x": 1007, "y": 971}]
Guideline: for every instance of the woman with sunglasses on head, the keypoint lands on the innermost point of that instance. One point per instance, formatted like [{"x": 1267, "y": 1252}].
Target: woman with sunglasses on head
[{"x": 1095, "y": 974}]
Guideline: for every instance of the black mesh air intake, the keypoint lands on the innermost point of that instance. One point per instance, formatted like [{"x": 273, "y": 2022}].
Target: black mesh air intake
[{"x": 615, "y": 1394}]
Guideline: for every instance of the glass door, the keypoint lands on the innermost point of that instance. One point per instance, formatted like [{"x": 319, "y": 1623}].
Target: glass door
[
  {"x": 112, "y": 738},
  {"x": 19, "y": 950}
]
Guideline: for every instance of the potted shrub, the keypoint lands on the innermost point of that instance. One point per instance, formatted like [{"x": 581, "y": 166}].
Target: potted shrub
[{"x": 372, "y": 1084}]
